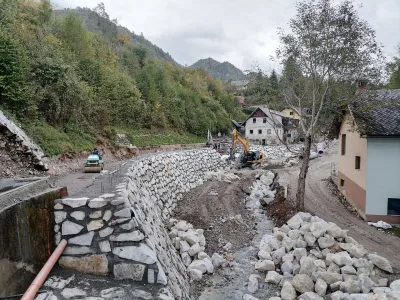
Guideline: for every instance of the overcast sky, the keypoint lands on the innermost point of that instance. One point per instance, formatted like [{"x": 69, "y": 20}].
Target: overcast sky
[{"x": 242, "y": 32}]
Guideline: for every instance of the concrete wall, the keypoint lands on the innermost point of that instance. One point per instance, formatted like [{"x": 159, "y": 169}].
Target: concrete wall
[
  {"x": 26, "y": 235},
  {"x": 354, "y": 179},
  {"x": 383, "y": 178},
  {"x": 124, "y": 234},
  {"x": 260, "y": 125}
]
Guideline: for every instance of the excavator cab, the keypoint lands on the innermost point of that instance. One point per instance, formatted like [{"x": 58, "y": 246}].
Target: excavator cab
[{"x": 249, "y": 158}]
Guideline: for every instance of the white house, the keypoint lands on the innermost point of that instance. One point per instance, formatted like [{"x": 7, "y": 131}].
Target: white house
[{"x": 264, "y": 126}]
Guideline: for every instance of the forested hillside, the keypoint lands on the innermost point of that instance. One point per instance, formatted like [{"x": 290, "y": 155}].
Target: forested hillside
[
  {"x": 224, "y": 71},
  {"x": 70, "y": 87}
]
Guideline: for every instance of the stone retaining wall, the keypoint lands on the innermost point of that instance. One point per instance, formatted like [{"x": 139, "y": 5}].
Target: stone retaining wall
[{"x": 123, "y": 234}]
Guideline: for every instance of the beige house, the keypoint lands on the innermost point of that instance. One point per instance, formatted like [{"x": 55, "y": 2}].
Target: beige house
[
  {"x": 369, "y": 155},
  {"x": 295, "y": 113}
]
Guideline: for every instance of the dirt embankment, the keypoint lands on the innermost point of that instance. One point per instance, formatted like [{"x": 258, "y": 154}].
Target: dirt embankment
[{"x": 219, "y": 208}]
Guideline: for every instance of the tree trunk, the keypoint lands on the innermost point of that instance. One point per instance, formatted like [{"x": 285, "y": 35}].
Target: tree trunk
[{"x": 301, "y": 184}]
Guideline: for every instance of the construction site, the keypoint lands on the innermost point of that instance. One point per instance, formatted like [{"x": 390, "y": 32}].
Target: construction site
[{"x": 173, "y": 223}]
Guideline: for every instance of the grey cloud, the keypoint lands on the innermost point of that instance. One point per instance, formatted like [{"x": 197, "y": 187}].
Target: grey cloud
[{"x": 240, "y": 31}]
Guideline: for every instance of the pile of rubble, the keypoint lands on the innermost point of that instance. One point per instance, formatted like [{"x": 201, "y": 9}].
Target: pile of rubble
[
  {"x": 311, "y": 259},
  {"x": 18, "y": 154},
  {"x": 261, "y": 191},
  {"x": 191, "y": 245},
  {"x": 276, "y": 152}
]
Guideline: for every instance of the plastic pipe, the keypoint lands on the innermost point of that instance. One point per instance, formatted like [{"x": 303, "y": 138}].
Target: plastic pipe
[
  {"x": 313, "y": 155},
  {"x": 320, "y": 148},
  {"x": 41, "y": 277}
]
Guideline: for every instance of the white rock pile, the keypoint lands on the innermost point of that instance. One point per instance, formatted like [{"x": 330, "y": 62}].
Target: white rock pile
[
  {"x": 191, "y": 245},
  {"x": 312, "y": 259},
  {"x": 276, "y": 152},
  {"x": 261, "y": 192}
]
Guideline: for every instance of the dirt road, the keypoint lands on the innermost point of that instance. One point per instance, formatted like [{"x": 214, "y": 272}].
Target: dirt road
[{"x": 320, "y": 201}]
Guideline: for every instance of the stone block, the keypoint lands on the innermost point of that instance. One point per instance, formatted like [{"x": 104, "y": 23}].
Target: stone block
[
  {"x": 75, "y": 202},
  {"x": 58, "y": 206},
  {"x": 141, "y": 253},
  {"x": 59, "y": 216},
  {"x": 96, "y": 214},
  {"x": 69, "y": 228},
  {"x": 129, "y": 271},
  {"x": 105, "y": 246},
  {"x": 134, "y": 236},
  {"x": 93, "y": 264},
  {"x": 97, "y": 203},
  {"x": 107, "y": 215},
  {"x": 78, "y": 215},
  {"x": 124, "y": 213},
  {"x": 106, "y": 232},
  {"x": 82, "y": 240},
  {"x": 95, "y": 225},
  {"x": 78, "y": 250},
  {"x": 151, "y": 276}
]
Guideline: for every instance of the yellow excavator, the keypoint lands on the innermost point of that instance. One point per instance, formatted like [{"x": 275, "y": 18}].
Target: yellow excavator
[{"x": 248, "y": 158}]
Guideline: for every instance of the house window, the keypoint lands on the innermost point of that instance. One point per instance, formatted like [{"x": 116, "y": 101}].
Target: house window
[
  {"x": 343, "y": 144},
  {"x": 358, "y": 162},
  {"x": 251, "y": 131},
  {"x": 259, "y": 131},
  {"x": 393, "y": 207},
  {"x": 254, "y": 120},
  {"x": 291, "y": 113},
  {"x": 342, "y": 182},
  {"x": 268, "y": 131},
  {"x": 265, "y": 120}
]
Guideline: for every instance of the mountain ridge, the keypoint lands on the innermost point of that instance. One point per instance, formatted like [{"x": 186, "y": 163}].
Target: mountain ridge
[{"x": 224, "y": 71}]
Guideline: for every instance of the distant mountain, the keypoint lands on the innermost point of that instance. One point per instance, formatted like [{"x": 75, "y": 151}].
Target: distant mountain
[
  {"x": 107, "y": 28},
  {"x": 224, "y": 71}
]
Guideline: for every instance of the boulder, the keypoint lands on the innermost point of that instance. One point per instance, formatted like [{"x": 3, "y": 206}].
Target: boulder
[
  {"x": 318, "y": 228},
  {"x": 249, "y": 297},
  {"x": 329, "y": 277},
  {"x": 187, "y": 260},
  {"x": 288, "y": 292},
  {"x": 278, "y": 254},
  {"x": 379, "y": 261},
  {"x": 295, "y": 222},
  {"x": 350, "y": 286},
  {"x": 92, "y": 264},
  {"x": 287, "y": 267},
  {"x": 342, "y": 259},
  {"x": 198, "y": 265},
  {"x": 333, "y": 268},
  {"x": 316, "y": 253},
  {"x": 273, "y": 277},
  {"x": 321, "y": 287},
  {"x": 288, "y": 243},
  {"x": 320, "y": 264},
  {"x": 294, "y": 234},
  {"x": 217, "y": 260},
  {"x": 264, "y": 254},
  {"x": 193, "y": 250},
  {"x": 299, "y": 253},
  {"x": 310, "y": 296},
  {"x": 337, "y": 295},
  {"x": 335, "y": 231},
  {"x": 303, "y": 283},
  {"x": 265, "y": 265},
  {"x": 209, "y": 265},
  {"x": 326, "y": 242},
  {"x": 335, "y": 286},
  {"x": 288, "y": 257},
  {"x": 253, "y": 283},
  {"x": 307, "y": 266},
  {"x": 310, "y": 239},
  {"x": 395, "y": 285},
  {"x": 306, "y": 217},
  {"x": 366, "y": 284},
  {"x": 348, "y": 270},
  {"x": 195, "y": 274}
]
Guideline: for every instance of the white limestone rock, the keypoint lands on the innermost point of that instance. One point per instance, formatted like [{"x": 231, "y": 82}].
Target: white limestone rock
[
  {"x": 97, "y": 203},
  {"x": 321, "y": 287},
  {"x": 350, "y": 286},
  {"x": 287, "y": 267},
  {"x": 310, "y": 296},
  {"x": 395, "y": 285},
  {"x": 193, "y": 250},
  {"x": 265, "y": 265},
  {"x": 107, "y": 215},
  {"x": 310, "y": 239},
  {"x": 299, "y": 253},
  {"x": 82, "y": 240},
  {"x": 318, "y": 228},
  {"x": 198, "y": 265},
  {"x": 195, "y": 274},
  {"x": 59, "y": 216},
  {"x": 141, "y": 253},
  {"x": 182, "y": 226},
  {"x": 96, "y": 214},
  {"x": 69, "y": 228},
  {"x": 78, "y": 215},
  {"x": 73, "y": 293},
  {"x": 123, "y": 213},
  {"x": 75, "y": 202},
  {"x": 273, "y": 277},
  {"x": 217, "y": 260},
  {"x": 348, "y": 270},
  {"x": 303, "y": 283},
  {"x": 288, "y": 292},
  {"x": 307, "y": 266},
  {"x": 113, "y": 293},
  {"x": 105, "y": 246},
  {"x": 134, "y": 236},
  {"x": 252, "y": 287},
  {"x": 381, "y": 262},
  {"x": 187, "y": 260},
  {"x": 209, "y": 265},
  {"x": 106, "y": 232},
  {"x": 278, "y": 254},
  {"x": 249, "y": 297},
  {"x": 342, "y": 259},
  {"x": 326, "y": 241},
  {"x": 295, "y": 222}
]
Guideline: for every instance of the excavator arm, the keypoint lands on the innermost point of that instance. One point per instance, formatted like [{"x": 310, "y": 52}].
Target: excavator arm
[{"x": 237, "y": 137}]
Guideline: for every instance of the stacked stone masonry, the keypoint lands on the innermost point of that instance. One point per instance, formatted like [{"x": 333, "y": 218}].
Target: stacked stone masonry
[{"x": 124, "y": 233}]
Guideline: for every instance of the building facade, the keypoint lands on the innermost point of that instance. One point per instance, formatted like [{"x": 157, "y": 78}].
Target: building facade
[{"x": 369, "y": 155}]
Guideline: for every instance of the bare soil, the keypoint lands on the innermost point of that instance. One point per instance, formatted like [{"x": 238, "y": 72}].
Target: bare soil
[
  {"x": 320, "y": 200},
  {"x": 223, "y": 217}
]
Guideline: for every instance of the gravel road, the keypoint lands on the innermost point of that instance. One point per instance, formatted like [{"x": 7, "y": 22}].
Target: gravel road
[{"x": 320, "y": 201}]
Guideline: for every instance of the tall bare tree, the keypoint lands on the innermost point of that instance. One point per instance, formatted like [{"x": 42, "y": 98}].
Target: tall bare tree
[{"x": 326, "y": 51}]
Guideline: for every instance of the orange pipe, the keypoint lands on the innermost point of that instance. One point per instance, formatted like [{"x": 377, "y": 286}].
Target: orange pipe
[{"x": 41, "y": 277}]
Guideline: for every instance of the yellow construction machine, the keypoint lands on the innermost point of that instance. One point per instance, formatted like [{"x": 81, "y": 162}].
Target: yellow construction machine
[{"x": 248, "y": 158}]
